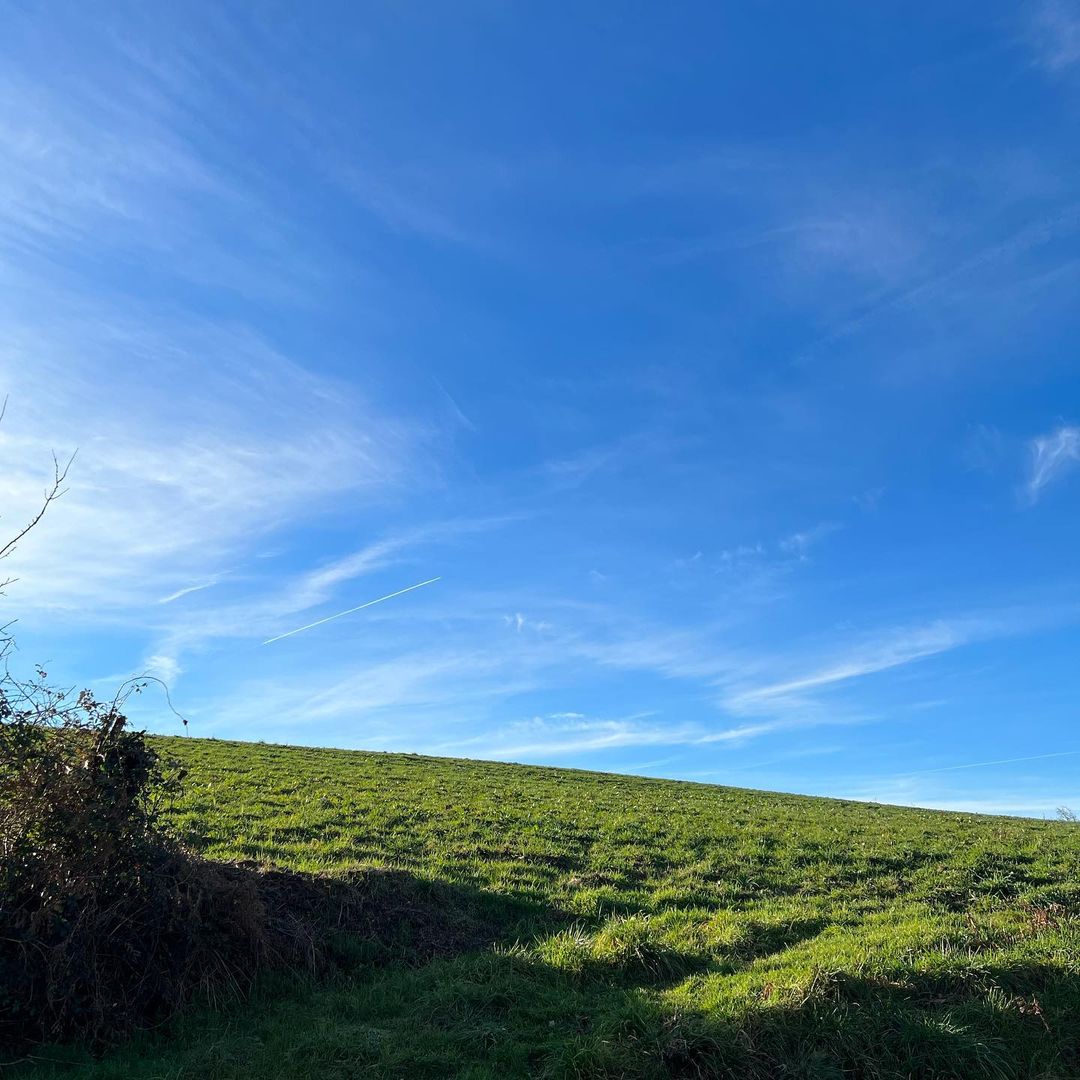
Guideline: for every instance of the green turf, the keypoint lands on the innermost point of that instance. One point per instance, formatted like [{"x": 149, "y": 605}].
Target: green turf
[{"x": 639, "y": 928}]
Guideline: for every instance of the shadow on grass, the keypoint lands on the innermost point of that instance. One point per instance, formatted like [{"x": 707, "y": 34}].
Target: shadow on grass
[
  {"x": 996, "y": 1022},
  {"x": 430, "y": 979},
  {"x": 760, "y": 940}
]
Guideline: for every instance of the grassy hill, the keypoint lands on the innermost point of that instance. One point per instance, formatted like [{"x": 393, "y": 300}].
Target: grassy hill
[{"x": 560, "y": 923}]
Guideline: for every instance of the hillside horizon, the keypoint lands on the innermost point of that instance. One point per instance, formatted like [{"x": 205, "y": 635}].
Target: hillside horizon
[{"x": 572, "y": 770}]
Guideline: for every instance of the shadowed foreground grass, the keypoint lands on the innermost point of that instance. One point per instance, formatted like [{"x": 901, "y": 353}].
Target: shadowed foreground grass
[{"x": 633, "y": 928}]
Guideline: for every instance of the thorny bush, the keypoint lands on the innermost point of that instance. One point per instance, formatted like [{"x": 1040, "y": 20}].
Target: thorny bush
[{"x": 83, "y": 861}]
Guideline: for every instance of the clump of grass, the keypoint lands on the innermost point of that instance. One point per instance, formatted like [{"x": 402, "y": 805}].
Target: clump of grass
[{"x": 625, "y": 949}]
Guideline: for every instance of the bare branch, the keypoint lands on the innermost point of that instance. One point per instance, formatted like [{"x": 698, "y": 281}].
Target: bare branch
[
  {"x": 135, "y": 684},
  {"x": 51, "y": 495}
]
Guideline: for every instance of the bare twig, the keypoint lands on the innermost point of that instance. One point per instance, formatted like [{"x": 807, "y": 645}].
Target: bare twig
[
  {"x": 51, "y": 495},
  {"x": 135, "y": 683}
]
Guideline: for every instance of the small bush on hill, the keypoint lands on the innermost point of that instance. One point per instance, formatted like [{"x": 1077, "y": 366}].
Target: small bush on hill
[{"x": 83, "y": 864}]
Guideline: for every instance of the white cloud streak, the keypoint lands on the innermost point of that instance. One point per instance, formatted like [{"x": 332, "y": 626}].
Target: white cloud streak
[
  {"x": 1051, "y": 456},
  {"x": 562, "y": 734},
  {"x": 164, "y": 667},
  {"x": 897, "y": 649},
  {"x": 188, "y": 590}
]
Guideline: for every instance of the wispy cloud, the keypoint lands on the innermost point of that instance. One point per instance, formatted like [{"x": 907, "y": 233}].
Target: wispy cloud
[
  {"x": 899, "y": 648},
  {"x": 948, "y": 281},
  {"x": 1029, "y": 797},
  {"x": 546, "y": 736},
  {"x": 109, "y": 163},
  {"x": 753, "y": 573},
  {"x": 1055, "y": 34},
  {"x": 178, "y": 476},
  {"x": 162, "y": 666},
  {"x": 562, "y": 734},
  {"x": 575, "y": 469},
  {"x": 566, "y": 734},
  {"x": 367, "y": 702},
  {"x": 801, "y": 697},
  {"x": 1051, "y": 455},
  {"x": 187, "y": 590},
  {"x": 799, "y": 543}
]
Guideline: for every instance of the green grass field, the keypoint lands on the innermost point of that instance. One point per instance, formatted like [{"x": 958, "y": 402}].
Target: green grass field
[{"x": 624, "y": 927}]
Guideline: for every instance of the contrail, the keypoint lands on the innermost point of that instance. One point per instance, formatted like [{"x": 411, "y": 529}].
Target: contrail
[
  {"x": 1002, "y": 761},
  {"x": 359, "y": 607}
]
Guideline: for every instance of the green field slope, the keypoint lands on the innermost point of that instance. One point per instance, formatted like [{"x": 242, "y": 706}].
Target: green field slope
[{"x": 565, "y": 924}]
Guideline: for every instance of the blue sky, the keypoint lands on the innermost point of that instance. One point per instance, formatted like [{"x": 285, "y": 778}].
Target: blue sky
[{"x": 720, "y": 360}]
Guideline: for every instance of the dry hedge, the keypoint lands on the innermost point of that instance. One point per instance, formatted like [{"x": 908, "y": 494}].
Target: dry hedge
[{"x": 106, "y": 923}]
